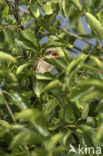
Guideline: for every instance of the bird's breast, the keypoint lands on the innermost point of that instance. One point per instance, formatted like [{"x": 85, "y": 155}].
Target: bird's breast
[{"x": 44, "y": 67}]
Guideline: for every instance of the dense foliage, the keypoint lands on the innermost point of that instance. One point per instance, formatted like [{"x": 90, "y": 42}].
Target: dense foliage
[{"x": 42, "y": 114}]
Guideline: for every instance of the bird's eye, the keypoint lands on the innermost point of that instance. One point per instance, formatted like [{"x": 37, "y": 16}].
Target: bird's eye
[{"x": 49, "y": 52}]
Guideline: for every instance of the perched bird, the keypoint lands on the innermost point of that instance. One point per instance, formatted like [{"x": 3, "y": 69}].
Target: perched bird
[{"x": 41, "y": 65}]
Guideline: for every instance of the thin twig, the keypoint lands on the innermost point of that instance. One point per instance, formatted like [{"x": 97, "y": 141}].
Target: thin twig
[
  {"x": 9, "y": 4},
  {"x": 76, "y": 138},
  {"x": 9, "y": 27},
  {"x": 10, "y": 112},
  {"x": 77, "y": 48},
  {"x": 25, "y": 13},
  {"x": 78, "y": 37},
  {"x": 14, "y": 120},
  {"x": 17, "y": 17},
  {"x": 24, "y": 10},
  {"x": 22, "y": 28},
  {"x": 28, "y": 3}
]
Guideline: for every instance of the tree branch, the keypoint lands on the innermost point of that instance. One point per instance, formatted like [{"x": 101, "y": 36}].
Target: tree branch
[
  {"x": 17, "y": 17},
  {"x": 10, "y": 112},
  {"x": 80, "y": 38},
  {"x": 14, "y": 120}
]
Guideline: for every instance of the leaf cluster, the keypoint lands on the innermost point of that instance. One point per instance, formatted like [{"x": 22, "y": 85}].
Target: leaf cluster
[{"x": 42, "y": 114}]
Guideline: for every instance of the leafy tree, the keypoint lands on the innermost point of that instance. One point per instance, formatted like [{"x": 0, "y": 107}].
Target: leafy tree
[{"x": 42, "y": 114}]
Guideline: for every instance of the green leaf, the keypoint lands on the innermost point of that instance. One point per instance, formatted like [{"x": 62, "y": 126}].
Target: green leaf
[
  {"x": 53, "y": 109},
  {"x": 38, "y": 88},
  {"x": 4, "y": 127},
  {"x": 73, "y": 64},
  {"x": 41, "y": 127},
  {"x": 85, "y": 110},
  {"x": 99, "y": 106},
  {"x": 80, "y": 93},
  {"x": 91, "y": 82},
  {"x": 5, "y": 74},
  {"x": 17, "y": 128},
  {"x": 2, "y": 100},
  {"x": 26, "y": 137},
  {"x": 80, "y": 27},
  {"x": 88, "y": 133},
  {"x": 67, "y": 55},
  {"x": 19, "y": 101},
  {"x": 26, "y": 45},
  {"x": 34, "y": 8},
  {"x": 37, "y": 118},
  {"x": 4, "y": 57},
  {"x": 4, "y": 123},
  {"x": 77, "y": 4},
  {"x": 64, "y": 7},
  {"x": 5, "y": 11},
  {"x": 44, "y": 76},
  {"x": 29, "y": 35},
  {"x": 99, "y": 135},
  {"x": 21, "y": 68},
  {"x": 51, "y": 105},
  {"x": 97, "y": 62},
  {"x": 52, "y": 142},
  {"x": 87, "y": 5},
  {"x": 53, "y": 85},
  {"x": 70, "y": 80},
  {"x": 39, "y": 152},
  {"x": 9, "y": 37},
  {"x": 68, "y": 116},
  {"x": 60, "y": 4},
  {"x": 27, "y": 114},
  {"x": 59, "y": 63},
  {"x": 30, "y": 114},
  {"x": 47, "y": 8},
  {"x": 95, "y": 25},
  {"x": 98, "y": 5},
  {"x": 59, "y": 43}
]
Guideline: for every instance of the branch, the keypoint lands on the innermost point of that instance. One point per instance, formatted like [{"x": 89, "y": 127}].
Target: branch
[
  {"x": 17, "y": 17},
  {"x": 24, "y": 10},
  {"x": 80, "y": 38},
  {"x": 14, "y": 120},
  {"x": 9, "y": 4},
  {"x": 10, "y": 112},
  {"x": 72, "y": 128},
  {"x": 77, "y": 48}
]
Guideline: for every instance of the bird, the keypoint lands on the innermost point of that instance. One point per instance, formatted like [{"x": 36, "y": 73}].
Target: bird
[{"x": 41, "y": 65}]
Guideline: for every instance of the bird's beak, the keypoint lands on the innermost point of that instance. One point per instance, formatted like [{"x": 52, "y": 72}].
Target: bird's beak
[{"x": 55, "y": 54}]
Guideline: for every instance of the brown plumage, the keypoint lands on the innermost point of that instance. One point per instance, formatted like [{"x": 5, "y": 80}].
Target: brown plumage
[{"x": 42, "y": 66}]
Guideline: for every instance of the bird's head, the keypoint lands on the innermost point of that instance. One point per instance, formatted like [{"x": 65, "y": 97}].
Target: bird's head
[
  {"x": 42, "y": 66},
  {"x": 51, "y": 53}
]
